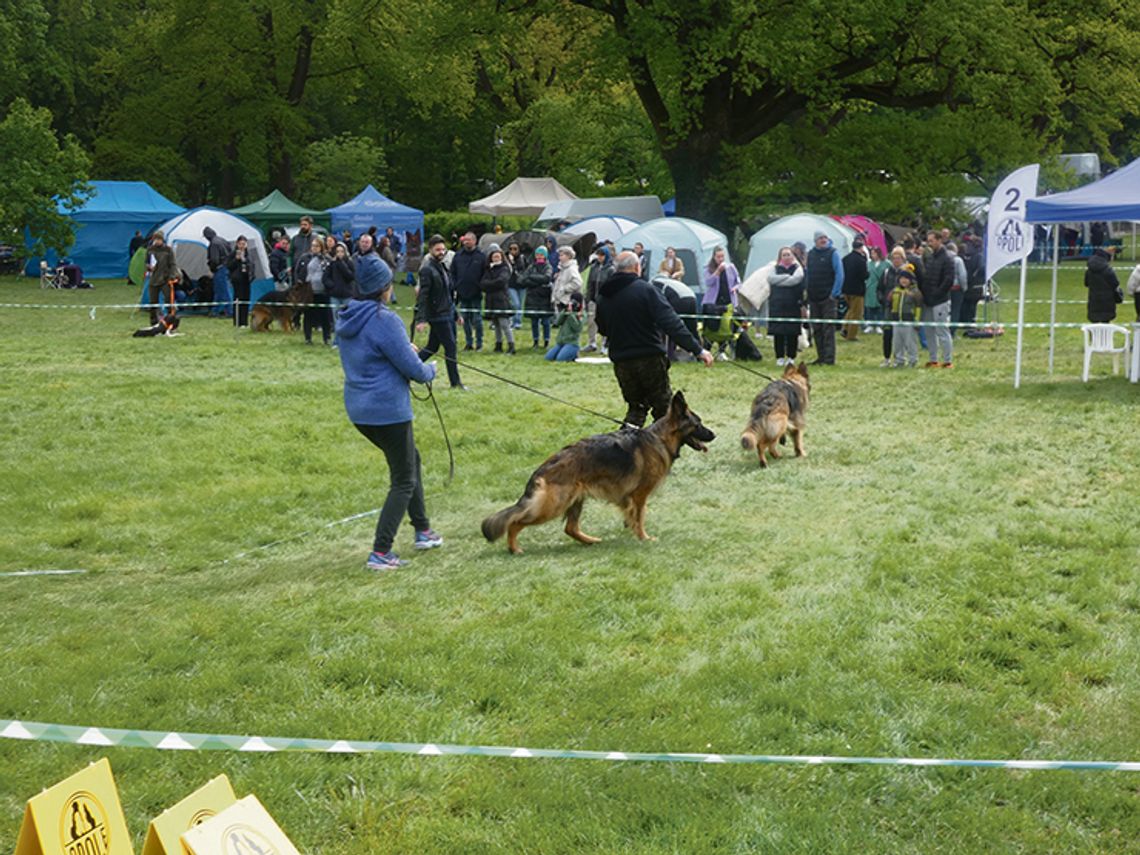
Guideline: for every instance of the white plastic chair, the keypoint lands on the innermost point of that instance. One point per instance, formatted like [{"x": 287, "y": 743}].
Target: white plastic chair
[{"x": 1101, "y": 338}]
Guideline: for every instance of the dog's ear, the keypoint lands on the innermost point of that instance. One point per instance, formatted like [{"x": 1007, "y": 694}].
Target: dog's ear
[
  {"x": 802, "y": 369},
  {"x": 678, "y": 404}
]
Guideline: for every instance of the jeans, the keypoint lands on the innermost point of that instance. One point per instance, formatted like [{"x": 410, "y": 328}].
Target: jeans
[
  {"x": 517, "y": 295},
  {"x": 405, "y": 481},
  {"x": 938, "y": 337},
  {"x": 442, "y": 334},
  {"x": 335, "y": 305},
  {"x": 562, "y": 353},
  {"x": 501, "y": 324},
  {"x": 544, "y": 320},
  {"x": 471, "y": 310},
  {"x": 222, "y": 293}
]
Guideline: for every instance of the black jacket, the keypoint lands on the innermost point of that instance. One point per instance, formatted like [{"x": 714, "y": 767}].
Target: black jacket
[
  {"x": 494, "y": 287},
  {"x": 634, "y": 316},
  {"x": 241, "y": 269},
  {"x": 466, "y": 270},
  {"x": 599, "y": 275},
  {"x": 855, "y": 274},
  {"x": 1102, "y": 283},
  {"x": 340, "y": 276},
  {"x": 538, "y": 281},
  {"x": 434, "y": 302},
  {"x": 938, "y": 278},
  {"x": 218, "y": 251}
]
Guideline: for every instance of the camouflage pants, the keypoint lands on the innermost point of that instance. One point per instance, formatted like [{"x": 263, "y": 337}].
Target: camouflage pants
[{"x": 644, "y": 384}]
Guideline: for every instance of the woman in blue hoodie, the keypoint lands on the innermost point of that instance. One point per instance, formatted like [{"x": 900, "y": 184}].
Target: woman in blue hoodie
[{"x": 379, "y": 362}]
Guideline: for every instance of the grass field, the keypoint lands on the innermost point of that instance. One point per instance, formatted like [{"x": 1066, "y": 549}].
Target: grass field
[{"x": 951, "y": 572}]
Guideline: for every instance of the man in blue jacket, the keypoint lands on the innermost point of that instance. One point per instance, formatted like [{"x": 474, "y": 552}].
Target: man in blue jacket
[{"x": 824, "y": 281}]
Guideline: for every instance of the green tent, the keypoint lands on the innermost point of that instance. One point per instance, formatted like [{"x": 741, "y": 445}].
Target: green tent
[{"x": 278, "y": 211}]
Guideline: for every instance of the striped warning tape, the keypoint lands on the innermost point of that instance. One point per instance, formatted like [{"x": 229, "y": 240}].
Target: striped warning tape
[{"x": 172, "y": 741}]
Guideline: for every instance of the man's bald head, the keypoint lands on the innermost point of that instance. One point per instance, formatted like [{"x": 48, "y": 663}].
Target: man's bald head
[{"x": 627, "y": 262}]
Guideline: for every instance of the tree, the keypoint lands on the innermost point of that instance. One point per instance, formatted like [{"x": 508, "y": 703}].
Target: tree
[
  {"x": 42, "y": 174},
  {"x": 717, "y": 77},
  {"x": 336, "y": 169}
]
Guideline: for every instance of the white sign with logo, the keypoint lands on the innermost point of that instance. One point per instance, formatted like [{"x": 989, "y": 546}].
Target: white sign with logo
[{"x": 1008, "y": 237}]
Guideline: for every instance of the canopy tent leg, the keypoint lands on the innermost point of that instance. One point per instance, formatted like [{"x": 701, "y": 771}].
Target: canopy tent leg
[
  {"x": 1053, "y": 300},
  {"x": 1020, "y": 324}
]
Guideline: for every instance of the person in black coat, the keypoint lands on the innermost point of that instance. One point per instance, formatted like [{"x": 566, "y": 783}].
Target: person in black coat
[
  {"x": 496, "y": 297},
  {"x": 539, "y": 279},
  {"x": 786, "y": 300},
  {"x": 1104, "y": 287},
  {"x": 240, "y": 266}
]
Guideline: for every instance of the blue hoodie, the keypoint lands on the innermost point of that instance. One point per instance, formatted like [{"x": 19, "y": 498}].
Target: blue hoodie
[{"x": 378, "y": 363}]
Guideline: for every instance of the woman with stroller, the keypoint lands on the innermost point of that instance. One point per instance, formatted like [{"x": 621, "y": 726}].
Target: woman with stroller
[{"x": 311, "y": 272}]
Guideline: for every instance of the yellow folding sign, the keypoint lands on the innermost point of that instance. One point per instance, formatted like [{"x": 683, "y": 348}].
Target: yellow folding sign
[
  {"x": 244, "y": 828},
  {"x": 78, "y": 816},
  {"x": 165, "y": 832}
]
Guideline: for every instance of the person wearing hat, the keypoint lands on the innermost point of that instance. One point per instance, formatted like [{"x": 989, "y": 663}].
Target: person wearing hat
[
  {"x": 163, "y": 270},
  {"x": 537, "y": 279},
  {"x": 379, "y": 364},
  {"x": 568, "y": 281},
  {"x": 905, "y": 302},
  {"x": 494, "y": 285},
  {"x": 824, "y": 280}
]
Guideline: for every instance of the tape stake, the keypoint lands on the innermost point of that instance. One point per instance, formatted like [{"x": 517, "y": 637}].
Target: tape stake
[{"x": 174, "y": 741}]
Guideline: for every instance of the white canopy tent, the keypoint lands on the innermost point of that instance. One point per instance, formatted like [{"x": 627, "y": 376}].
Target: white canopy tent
[
  {"x": 637, "y": 208},
  {"x": 693, "y": 242},
  {"x": 1114, "y": 197},
  {"x": 763, "y": 246},
  {"x": 604, "y": 228},
  {"x": 523, "y": 197}
]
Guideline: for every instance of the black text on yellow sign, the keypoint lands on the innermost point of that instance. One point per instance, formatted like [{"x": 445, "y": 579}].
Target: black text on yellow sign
[{"x": 78, "y": 816}]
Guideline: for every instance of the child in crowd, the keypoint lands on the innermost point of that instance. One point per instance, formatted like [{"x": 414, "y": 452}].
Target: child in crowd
[
  {"x": 904, "y": 303},
  {"x": 569, "y": 323}
]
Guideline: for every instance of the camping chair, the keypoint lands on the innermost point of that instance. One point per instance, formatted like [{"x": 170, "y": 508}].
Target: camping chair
[
  {"x": 1101, "y": 338},
  {"x": 725, "y": 333},
  {"x": 52, "y": 277}
]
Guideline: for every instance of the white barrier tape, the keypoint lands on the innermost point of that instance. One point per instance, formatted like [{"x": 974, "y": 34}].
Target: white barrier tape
[
  {"x": 13, "y": 573},
  {"x": 180, "y": 741},
  {"x": 303, "y": 534}
]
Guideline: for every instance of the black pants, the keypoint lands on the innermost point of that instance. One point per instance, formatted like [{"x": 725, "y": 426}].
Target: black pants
[
  {"x": 1136, "y": 300},
  {"x": 241, "y": 295},
  {"x": 786, "y": 345},
  {"x": 644, "y": 384},
  {"x": 318, "y": 315},
  {"x": 824, "y": 333},
  {"x": 442, "y": 334},
  {"x": 968, "y": 313},
  {"x": 405, "y": 481},
  {"x": 888, "y": 340}
]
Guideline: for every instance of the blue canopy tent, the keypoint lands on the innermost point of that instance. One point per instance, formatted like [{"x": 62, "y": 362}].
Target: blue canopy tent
[
  {"x": 373, "y": 208},
  {"x": 107, "y": 222},
  {"x": 1114, "y": 197}
]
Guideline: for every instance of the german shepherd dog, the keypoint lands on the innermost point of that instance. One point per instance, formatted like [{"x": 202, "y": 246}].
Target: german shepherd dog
[
  {"x": 280, "y": 306},
  {"x": 779, "y": 408},
  {"x": 623, "y": 467}
]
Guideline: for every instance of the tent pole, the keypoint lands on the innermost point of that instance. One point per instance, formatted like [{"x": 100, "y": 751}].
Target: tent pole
[
  {"x": 1053, "y": 301},
  {"x": 1020, "y": 324}
]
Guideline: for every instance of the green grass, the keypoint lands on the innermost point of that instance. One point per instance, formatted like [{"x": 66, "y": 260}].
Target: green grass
[{"x": 952, "y": 572}]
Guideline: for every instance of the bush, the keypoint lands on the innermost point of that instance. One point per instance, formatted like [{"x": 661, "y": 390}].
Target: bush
[{"x": 448, "y": 223}]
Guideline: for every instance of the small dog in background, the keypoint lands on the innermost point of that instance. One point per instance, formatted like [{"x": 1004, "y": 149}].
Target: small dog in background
[
  {"x": 779, "y": 408},
  {"x": 280, "y": 306}
]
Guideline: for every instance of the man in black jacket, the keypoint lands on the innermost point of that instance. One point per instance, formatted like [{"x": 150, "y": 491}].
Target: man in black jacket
[
  {"x": 436, "y": 310},
  {"x": 936, "y": 283},
  {"x": 635, "y": 316},
  {"x": 217, "y": 256},
  {"x": 466, "y": 272},
  {"x": 854, "y": 288}
]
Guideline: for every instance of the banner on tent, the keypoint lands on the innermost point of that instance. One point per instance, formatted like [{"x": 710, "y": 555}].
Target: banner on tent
[{"x": 1009, "y": 237}]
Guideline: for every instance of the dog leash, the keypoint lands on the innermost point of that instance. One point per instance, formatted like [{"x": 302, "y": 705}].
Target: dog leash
[
  {"x": 535, "y": 391},
  {"x": 430, "y": 396},
  {"x": 752, "y": 370}
]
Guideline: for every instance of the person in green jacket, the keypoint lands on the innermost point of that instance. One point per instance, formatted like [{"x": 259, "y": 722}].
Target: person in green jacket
[
  {"x": 569, "y": 323},
  {"x": 873, "y": 307}
]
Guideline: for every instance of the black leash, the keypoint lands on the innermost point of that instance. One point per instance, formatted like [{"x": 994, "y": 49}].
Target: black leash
[
  {"x": 527, "y": 388},
  {"x": 447, "y": 440},
  {"x": 751, "y": 370}
]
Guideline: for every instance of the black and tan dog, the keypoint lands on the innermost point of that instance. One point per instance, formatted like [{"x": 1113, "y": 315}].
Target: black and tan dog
[
  {"x": 778, "y": 409},
  {"x": 280, "y": 306},
  {"x": 623, "y": 467}
]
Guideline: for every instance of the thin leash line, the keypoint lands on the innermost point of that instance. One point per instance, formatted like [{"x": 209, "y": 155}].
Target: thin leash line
[
  {"x": 430, "y": 396},
  {"x": 736, "y": 364},
  {"x": 535, "y": 391}
]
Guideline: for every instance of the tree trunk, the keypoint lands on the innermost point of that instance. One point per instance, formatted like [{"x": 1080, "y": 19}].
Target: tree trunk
[{"x": 694, "y": 162}]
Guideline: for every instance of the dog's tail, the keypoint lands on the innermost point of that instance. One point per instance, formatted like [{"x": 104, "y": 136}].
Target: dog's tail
[
  {"x": 748, "y": 439},
  {"x": 496, "y": 525}
]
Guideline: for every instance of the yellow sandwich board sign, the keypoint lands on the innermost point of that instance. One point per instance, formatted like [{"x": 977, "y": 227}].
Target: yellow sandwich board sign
[
  {"x": 78, "y": 816},
  {"x": 165, "y": 832},
  {"x": 244, "y": 828}
]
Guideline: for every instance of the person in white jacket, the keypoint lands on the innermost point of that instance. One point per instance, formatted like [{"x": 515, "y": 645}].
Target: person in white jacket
[{"x": 568, "y": 281}]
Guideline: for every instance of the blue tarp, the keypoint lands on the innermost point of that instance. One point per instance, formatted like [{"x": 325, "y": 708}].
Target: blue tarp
[
  {"x": 1114, "y": 197},
  {"x": 373, "y": 208},
  {"x": 106, "y": 224}
]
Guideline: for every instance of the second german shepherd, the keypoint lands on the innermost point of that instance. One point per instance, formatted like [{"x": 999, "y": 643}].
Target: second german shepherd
[
  {"x": 623, "y": 467},
  {"x": 280, "y": 306},
  {"x": 779, "y": 408}
]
